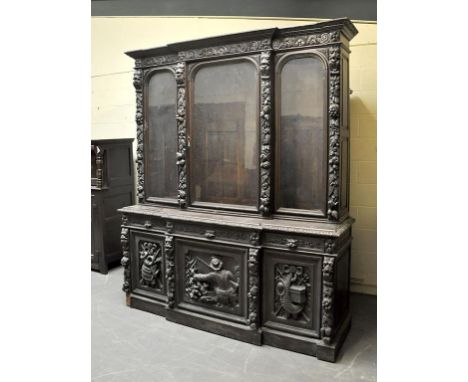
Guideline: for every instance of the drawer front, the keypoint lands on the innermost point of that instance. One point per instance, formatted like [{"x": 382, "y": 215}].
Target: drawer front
[
  {"x": 211, "y": 279},
  {"x": 148, "y": 264},
  {"x": 291, "y": 292},
  {"x": 294, "y": 242}
]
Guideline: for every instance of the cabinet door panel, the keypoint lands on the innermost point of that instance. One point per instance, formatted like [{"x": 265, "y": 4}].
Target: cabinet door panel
[
  {"x": 301, "y": 133},
  {"x": 224, "y": 135},
  {"x": 161, "y": 168}
]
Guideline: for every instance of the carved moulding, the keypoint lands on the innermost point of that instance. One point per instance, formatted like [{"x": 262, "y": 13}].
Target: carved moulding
[
  {"x": 226, "y": 49},
  {"x": 328, "y": 270},
  {"x": 138, "y": 84},
  {"x": 170, "y": 270},
  {"x": 150, "y": 254},
  {"x": 252, "y": 295},
  {"x": 211, "y": 283},
  {"x": 306, "y": 40},
  {"x": 125, "y": 259},
  {"x": 292, "y": 286},
  {"x": 181, "y": 133},
  {"x": 265, "y": 131},
  {"x": 334, "y": 133}
]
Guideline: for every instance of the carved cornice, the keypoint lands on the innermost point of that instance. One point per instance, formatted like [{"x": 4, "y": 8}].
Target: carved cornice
[
  {"x": 265, "y": 131},
  {"x": 170, "y": 270},
  {"x": 180, "y": 69},
  {"x": 125, "y": 259},
  {"x": 138, "y": 84},
  {"x": 328, "y": 270},
  {"x": 334, "y": 133},
  {"x": 225, "y": 50},
  {"x": 298, "y": 41},
  {"x": 253, "y": 288}
]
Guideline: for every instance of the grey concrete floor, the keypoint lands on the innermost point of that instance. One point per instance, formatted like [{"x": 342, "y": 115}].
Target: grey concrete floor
[{"x": 135, "y": 346}]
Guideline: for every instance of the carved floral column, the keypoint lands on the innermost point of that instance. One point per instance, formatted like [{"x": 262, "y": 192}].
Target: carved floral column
[
  {"x": 125, "y": 259},
  {"x": 334, "y": 133},
  {"x": 265, "y": 133},
  {"x": 253, "y": 287},
  {"x": 328, "y": 271},
  {"x": 170, "y": 270},
  {"x": 138, "y": 84},
  {"x": 180, "y": 69}
]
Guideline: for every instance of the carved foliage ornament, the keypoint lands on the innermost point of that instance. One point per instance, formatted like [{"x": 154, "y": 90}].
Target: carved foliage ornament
[
  {"x": 125, "y": 259},
  {"x": 252, "y": 295},
  {"x": 306, "y": 40},
  {"x": 328, "y": 270},
  {"x": 211, "y": 283},
  {"x": 138, "y": 84},
  {"x": 334, "y": 133},
  {"x": 170, "y": 270},
  {"x": 150, "y": 254},
  {"x": 292, "y": 283},
  {"x": 222, "y": 50},
  {"x": 265, "y": 128},
  {"x": 182, "y": 134}
]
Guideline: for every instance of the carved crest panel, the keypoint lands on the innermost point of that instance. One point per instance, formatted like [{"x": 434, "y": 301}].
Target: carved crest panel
[
  {"x": 291, "y": 292},
  {"x": 150, "y": 265}
]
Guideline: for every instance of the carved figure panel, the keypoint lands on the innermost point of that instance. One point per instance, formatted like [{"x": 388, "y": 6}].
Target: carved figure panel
[
  {"x": 150, "y": 264},
  {"x": 211, "y": 282}
]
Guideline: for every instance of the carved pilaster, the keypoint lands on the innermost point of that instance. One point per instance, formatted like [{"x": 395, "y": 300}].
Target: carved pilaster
[
  {"x": 125, "y": 259},
  {"x": 182, "y": 134},
  {"x": 170, "y": 269},
  {"x": 265, "y": 131},
  {"x": 334, "y": 133},
  {"x": 138, "y": 84},
  {"x": 328, "y": 270},
  {"x": 253, "y": 288},
  {"x": 99, "y": 165}
]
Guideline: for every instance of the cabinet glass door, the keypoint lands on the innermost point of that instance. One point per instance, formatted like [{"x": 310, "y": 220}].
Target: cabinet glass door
[
  {"x": 161, "y": 168},
  {"x": 301, "y": 140},
  {"x": 224, "y": 133}
]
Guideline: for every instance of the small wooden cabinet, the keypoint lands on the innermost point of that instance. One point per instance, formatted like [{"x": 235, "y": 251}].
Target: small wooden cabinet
[
  {"x": 111, "y": 188},
  {"x": 242, "y": 226}
]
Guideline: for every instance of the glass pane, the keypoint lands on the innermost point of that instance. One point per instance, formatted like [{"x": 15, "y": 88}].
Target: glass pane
[
  {"x": 302, "y": 139},
  {"x": 224, "y": 150},
  {"x": 161, "y": 172}
]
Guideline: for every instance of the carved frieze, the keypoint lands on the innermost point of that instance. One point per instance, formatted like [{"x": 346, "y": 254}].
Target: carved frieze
[
  {"x": 150, "y": 255},
  {"x": 306, "y": 40},
  {"x": 170, "y": 270},
  {"x": 292, "y": 293},
  {"x": 125, "y": 259},
  {"x": 334, "y": 133},
  {"x": 138, "y": 84},
  {"x": 155, "y": 61},
  {"x": 253, "y": 292},
  {"x": 265, "y": 131},
  {"x": 226, "y": 49},
  {"x": 328, "y": 270},
  {"x": 182, "y": 134},
  {"x": 210, "y": 282}
]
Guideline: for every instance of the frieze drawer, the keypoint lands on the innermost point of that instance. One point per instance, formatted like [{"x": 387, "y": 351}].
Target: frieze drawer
[{"x": 294, "y": 242}]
